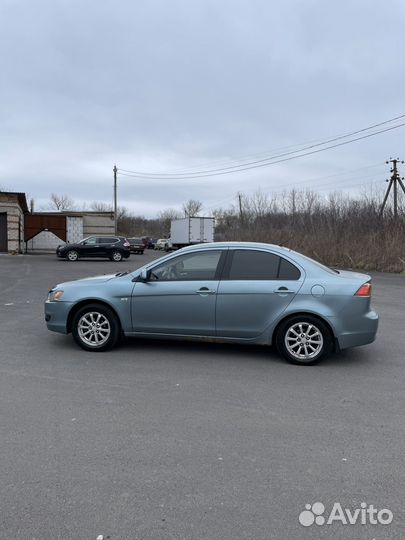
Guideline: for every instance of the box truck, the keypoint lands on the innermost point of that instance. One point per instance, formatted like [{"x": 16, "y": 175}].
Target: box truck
[{"x": 191, "y": 230}]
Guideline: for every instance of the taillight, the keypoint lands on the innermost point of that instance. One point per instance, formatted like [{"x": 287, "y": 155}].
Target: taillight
[
  {"x": 127, "y": 244},
  {"x": 365, "y": 290}
]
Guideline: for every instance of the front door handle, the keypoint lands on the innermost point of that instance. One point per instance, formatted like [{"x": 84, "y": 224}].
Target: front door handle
[
  {"x": 205, "y": 290},
  {"x": 284, "y": 290}
]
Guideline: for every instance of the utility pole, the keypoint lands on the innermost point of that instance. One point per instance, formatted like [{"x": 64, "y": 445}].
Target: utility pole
[
  {"x": 293, "y": 193},
  {"x": 240, "y": 207},
  {"x": 115, "y": 199},
  {"x": 393, "y": 183}
]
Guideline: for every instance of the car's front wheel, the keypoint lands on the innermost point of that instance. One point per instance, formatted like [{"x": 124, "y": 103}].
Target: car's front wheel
[
  {"x": 116, "y": 256},
  {"x": 96, "y": 328},
  {"x": 304, "y": 340},
  {"x": 72, "y": 255}
]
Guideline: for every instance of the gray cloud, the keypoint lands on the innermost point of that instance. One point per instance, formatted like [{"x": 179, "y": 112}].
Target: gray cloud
[{"x": 157, "y": 85}]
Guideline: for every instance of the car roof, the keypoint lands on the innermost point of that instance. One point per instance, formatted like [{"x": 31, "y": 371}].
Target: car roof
[{"x": 212, "y": 245}]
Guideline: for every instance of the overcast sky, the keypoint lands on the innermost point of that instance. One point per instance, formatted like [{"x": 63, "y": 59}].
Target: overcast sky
[{"x": 158, "y": 85}]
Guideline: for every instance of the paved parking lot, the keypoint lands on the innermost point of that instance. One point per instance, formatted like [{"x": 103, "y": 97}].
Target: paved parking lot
[{"x": 158, "y": 440}]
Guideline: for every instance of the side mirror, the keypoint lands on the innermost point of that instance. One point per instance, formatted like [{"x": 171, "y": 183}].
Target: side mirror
[{"x": 144, "y": 275}]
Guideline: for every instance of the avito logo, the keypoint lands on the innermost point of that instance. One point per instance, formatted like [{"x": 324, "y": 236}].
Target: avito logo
[{"x": 366, "y": 514}]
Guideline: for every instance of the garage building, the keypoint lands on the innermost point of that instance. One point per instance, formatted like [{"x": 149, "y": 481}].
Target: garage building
[
  {"x": 13, "y": 208},
  {"x": 45, "y": 231},
  {"x": 22, "y": 231}
]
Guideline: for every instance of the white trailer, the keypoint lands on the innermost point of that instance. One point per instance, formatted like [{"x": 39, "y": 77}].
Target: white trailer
[{"x": 191, "y": 230}]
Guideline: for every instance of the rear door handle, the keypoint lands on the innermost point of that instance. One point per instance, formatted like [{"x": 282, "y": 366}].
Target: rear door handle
[
  {"x": 284, "y": 290},
  {"x": 205, "y": 290}
]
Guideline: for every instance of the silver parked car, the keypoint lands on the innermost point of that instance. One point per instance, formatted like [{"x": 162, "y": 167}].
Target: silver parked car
[
  {"x": 236, "y": 292},
  {"x": 163, "y": 244}
]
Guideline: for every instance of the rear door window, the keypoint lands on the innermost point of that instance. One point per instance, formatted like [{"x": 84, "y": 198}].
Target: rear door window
[
  {"x": 106, "y": 240},
  {"x": 253, "y": 265},
  {"x": 259, "y": 265}
]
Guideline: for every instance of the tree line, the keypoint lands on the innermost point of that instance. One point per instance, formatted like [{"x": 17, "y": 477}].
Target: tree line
[{"x": 339, "y": 230}]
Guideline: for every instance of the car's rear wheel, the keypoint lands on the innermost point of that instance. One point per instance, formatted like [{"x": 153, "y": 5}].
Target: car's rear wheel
[
  {"x": 72, "y": 255},
  {"x": 304, "y": 340},
  {"x": 96, "y": 328},
  {"x": 116, "y": 256}
]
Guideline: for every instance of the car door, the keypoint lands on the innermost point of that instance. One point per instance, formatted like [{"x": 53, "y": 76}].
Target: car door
[
  {"x": 256, "y": 287},
  {"x": 90, "y": 247},
  {"x": 106, "y": 245},
  {"x": 179, "y": 296}
]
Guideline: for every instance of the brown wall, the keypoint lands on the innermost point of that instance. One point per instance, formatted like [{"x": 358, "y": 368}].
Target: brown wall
[{"x": 35, "y": 223}]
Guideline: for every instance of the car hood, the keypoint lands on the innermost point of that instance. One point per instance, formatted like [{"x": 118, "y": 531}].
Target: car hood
[{"x": 89, "y": 281}]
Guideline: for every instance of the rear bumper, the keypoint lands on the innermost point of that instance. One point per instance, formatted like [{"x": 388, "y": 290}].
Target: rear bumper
[
  {"x": 56, "y": 316},
  {"x": 350, "y": 333}
]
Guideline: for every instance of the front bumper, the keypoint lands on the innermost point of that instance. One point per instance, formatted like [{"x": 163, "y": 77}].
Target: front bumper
[{"x": 56, "y": 315}]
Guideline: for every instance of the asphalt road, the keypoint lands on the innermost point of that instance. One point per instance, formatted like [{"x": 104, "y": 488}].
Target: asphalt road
[{"x": 181, "y": 440}]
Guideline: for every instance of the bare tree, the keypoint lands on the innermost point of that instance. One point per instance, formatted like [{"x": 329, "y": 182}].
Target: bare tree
[
  {"x": 192, "y": 208},
  {"x": 100, "y": 206},
  {"x": 165, "y": 217},
  {"x": 61, "y": 202}
]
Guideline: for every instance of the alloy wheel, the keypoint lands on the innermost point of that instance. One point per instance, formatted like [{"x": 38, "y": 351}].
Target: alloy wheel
[
  {"x": 116, "y": 256},
  {"x": 304, "y": 341},
  {"x": 94, "y": 329},
  {"x": 72, "y": 255}
]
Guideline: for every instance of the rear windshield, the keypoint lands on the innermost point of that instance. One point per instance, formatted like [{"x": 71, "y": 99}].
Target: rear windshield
[{"x": 320, "y": 265}]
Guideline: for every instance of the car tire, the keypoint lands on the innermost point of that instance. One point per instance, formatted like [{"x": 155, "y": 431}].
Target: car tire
[
  {"x": 91, "y": 337},
  {"x": 116, "y": 256},
  {"x": 72, "y": 255},
  {"x": 304, "y": 340}
]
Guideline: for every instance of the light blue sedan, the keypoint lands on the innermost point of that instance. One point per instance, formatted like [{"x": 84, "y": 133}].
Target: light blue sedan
[{"x": 231, "y": 291}]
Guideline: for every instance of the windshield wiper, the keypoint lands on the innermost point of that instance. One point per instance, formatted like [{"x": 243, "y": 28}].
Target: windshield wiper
[{"x": 119, "y": 274}]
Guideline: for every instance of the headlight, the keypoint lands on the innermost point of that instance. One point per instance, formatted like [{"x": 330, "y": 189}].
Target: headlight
[{"x": 55, "y": 296}]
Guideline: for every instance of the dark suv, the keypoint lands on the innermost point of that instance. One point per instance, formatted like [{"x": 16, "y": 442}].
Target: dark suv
[{"x": 115, "y": 248}]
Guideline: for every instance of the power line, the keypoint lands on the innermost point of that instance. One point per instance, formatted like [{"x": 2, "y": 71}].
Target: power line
[
  {"x": 196, "y": 182},
  {"x": 327, "y": 141},
  {"x": 255, "y": 165}
]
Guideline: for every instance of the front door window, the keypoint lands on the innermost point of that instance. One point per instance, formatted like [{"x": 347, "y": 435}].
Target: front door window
[{"x": 189, "y": 267}]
